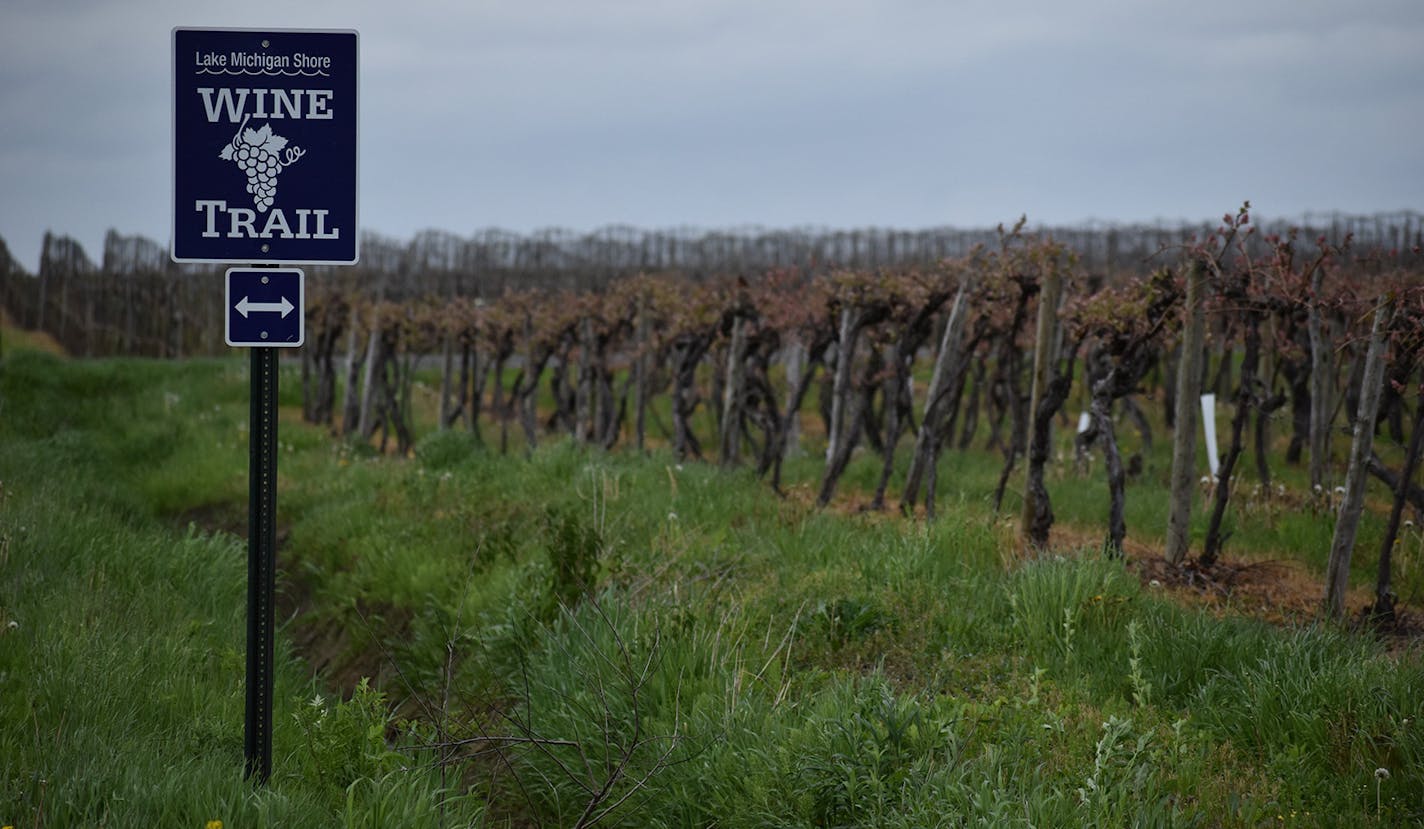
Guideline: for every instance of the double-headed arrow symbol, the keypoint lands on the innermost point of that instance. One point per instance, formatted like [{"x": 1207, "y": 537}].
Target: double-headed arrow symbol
[{"x": 244, "y": 306}]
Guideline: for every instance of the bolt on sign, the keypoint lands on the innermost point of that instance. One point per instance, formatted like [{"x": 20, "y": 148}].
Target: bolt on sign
[{"x": 264, "y": 146}]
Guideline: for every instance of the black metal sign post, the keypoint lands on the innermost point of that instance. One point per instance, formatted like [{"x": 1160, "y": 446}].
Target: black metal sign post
[
  {"x": 261, "y": 562},
  {"x": 266, "y": 311}
]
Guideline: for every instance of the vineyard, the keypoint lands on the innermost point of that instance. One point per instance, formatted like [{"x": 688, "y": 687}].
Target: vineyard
[
  {"x": 918, "y": 356},
  {"x": 715, "y": 344},
  {"x": 781, "y": 528}
]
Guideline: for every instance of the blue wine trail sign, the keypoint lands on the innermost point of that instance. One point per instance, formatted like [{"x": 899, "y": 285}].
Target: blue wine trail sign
[{"x": 264, "y": 146}]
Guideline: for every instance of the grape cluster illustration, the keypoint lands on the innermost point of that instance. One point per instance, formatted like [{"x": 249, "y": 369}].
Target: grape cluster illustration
[{"x": 261, "y": 156}]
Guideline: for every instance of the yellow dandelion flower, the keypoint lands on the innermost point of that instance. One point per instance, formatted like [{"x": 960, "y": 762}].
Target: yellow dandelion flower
[{"x": 214, "y": 824}]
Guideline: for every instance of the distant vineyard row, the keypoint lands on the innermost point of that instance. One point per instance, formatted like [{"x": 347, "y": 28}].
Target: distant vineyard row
[{"x": 134, "y": 300}]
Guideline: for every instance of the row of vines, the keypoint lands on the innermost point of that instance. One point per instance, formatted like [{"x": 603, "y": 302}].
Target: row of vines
[
  {"x": 1326, "y": 345},
  {"x": 1318, "y": 336}
]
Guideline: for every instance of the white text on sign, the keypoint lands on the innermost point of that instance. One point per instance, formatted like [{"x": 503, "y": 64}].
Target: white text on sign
[
  {"x": 242, "y": 223},
  {"x": 288, "y": 101}
]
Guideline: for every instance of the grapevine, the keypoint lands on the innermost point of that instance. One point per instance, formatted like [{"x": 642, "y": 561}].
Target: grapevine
[{"x": 261, "y": 156}]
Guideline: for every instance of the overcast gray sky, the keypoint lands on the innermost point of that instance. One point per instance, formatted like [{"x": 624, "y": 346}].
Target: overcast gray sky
[{"x": 843, "y": 113}]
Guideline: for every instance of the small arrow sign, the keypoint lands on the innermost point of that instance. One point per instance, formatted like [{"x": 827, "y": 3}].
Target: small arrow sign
[
  {"x": 245, "y": 306},
  {"x": 265, "y": 308}
]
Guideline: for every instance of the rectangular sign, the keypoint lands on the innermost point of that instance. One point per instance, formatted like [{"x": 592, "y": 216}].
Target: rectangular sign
[
  {"x": 265, "y": 307},
  {"x": 264, "y": 146}
]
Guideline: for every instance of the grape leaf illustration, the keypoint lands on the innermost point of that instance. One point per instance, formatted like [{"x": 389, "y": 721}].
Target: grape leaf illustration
[
  {"x": 275, "y": 144},
  {"x": 226, "y": 154},
  {"x": 257, "y": 137}
]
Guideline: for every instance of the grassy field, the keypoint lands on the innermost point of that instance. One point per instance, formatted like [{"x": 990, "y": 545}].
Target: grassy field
[{"x": 476, "y": 639}]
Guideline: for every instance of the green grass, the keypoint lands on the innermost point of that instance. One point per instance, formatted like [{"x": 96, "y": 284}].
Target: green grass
[
  {"x": 122, "y": 631},
  {"x": 579, "y": 632}
]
